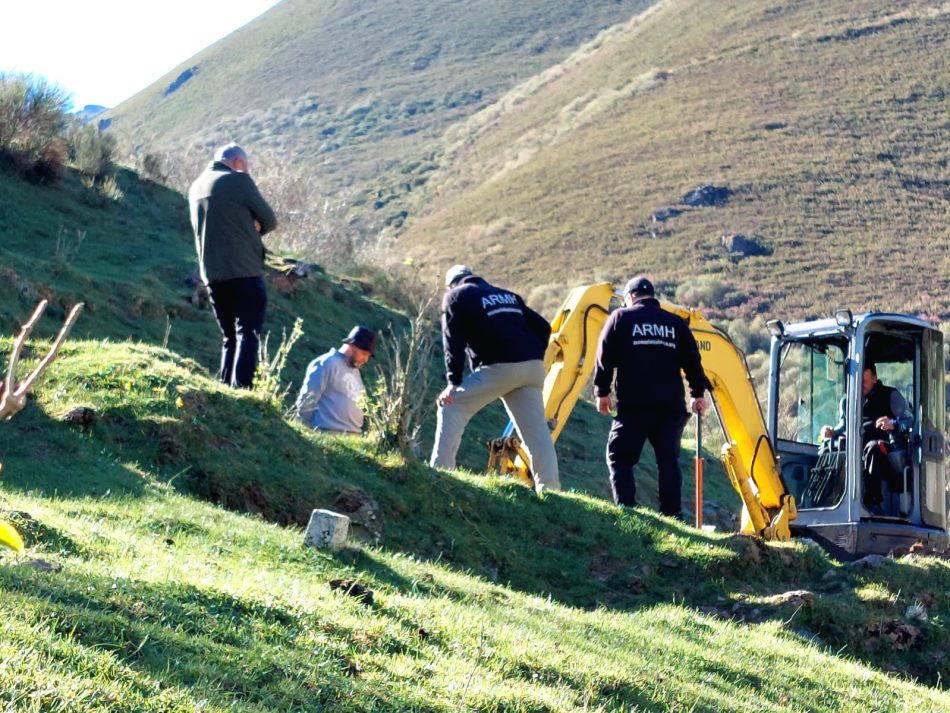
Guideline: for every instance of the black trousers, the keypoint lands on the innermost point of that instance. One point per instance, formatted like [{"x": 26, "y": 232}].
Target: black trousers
[
  {"x": 239, "y": 306},
  {"x": 624, "y": 445},
  {"x": 877, "y": 470}
]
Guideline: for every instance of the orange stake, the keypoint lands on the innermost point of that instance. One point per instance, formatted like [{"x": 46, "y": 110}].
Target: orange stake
[{"x": 699, "y": 471}]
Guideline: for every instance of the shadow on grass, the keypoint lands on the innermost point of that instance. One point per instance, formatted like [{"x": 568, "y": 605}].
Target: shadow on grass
[
  {"x": 52, "y": 457},
  {"x": 235, "y": 649}
]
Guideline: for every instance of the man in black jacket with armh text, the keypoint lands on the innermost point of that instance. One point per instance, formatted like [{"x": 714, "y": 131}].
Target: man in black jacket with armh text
[
  {"x": 647, "y": 347},
  {"x": 505, "y": 341}
]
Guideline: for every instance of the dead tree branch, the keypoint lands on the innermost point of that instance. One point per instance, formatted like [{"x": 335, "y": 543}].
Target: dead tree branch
[{"x": 12, "y": 395}]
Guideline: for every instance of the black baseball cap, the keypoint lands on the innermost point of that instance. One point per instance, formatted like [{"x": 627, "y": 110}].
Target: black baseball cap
[
  {"x": 639, "y": 286},
  {"x": 363, "y": 338}
]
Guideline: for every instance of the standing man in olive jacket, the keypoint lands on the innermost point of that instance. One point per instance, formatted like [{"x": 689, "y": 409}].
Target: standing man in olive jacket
[
  {"x": 647, "y": 347},
  {"x": 505, "y": 341},
  {"x": 229, "y": 216}
]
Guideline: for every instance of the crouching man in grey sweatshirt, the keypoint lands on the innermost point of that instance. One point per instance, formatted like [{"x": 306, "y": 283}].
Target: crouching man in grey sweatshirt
[{"x": 329, "y": 399}]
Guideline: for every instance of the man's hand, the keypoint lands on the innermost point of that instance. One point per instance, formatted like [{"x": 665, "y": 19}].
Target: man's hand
[
  {"x": 447, "y": 396},
  {"x": 257, "y": 225},
  {"x": 698, "y": 405},
  {"x": 605, "y": 404},
  {"x": 885, "y": 423}
]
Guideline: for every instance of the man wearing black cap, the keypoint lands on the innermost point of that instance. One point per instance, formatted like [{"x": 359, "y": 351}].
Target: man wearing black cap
[
  {"x": 647, "y": 347},
  {"x": 330, "y": 395},
  {"x": 505, "y": 341},
  {"x": 229, "y": 216}
]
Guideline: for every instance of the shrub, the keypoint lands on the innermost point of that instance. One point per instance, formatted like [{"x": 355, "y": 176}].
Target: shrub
[
  {"x": 749, "y": 335},
  {"x": 109, "y": 189},
  {"x": 153, "y": 168},
  {"x": 267, "y": 381},
  {"x": 33, "y": 120},
  {"x": 92, "y": 153},
  {"x": 396, "y": 398}
]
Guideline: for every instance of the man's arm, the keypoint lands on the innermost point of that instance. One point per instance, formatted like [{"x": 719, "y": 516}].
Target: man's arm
[
  {"x": 260, "y": 209},
  {"x": 315, "y": 383},
  {"x": 605, "y": 364},
  {"x": 902, "y": 416},
  {"x": 899, "y": 405},
  {"x": 692, "y": 365},
  {"x": 690, "y": 361},
  {"x": 453, "y": 341}
]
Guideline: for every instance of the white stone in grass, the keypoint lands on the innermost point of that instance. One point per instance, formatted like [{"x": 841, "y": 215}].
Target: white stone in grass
[{"x": 326, "y": 530}]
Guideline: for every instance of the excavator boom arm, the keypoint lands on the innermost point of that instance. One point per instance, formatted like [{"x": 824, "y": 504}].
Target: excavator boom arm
[{"x": 747, "y": 455}]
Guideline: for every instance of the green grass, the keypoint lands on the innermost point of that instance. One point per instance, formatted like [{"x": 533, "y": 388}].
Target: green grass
[{"x": 485, "y": 597}]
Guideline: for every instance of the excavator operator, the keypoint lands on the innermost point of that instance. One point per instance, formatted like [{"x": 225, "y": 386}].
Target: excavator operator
[
  {"x": 647, "y": 347},
  {"x": 882, "y": 414}
]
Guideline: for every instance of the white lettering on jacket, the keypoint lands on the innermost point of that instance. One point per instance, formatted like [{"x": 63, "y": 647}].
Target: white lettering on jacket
[
  {"x": 662, "y": 331},
  {"x": 502, "y": 299}
]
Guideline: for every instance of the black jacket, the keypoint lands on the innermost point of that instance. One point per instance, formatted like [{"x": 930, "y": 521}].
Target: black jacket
[
  {"x": 881, "y": 401},
  {"x": 647, "y": 347},
  {"x": 491, "y": 325}
]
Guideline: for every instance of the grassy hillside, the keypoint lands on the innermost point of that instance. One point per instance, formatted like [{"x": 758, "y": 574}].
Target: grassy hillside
[
  {"x": 347, "y": 89},
  {"x": 135, "y": 597},
  {"x": 165, "y": 570},
  {"x": 824, "y": 120},
  {"x": 130, "y": 262}
]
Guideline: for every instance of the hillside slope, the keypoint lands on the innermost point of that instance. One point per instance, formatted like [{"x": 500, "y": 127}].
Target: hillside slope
[
  {"x": 825, "y": 122},
  {"x": 133, "y": 265},
  {"x": 136, "y": 595},
  {"x": 346, "y": 89}
]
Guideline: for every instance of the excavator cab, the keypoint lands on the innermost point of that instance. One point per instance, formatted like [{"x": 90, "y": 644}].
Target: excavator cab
[{"x": 816, "y": 383}]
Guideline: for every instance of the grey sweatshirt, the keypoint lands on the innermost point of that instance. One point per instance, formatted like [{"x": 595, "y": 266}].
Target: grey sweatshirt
[{"x": 330, "y": 395}]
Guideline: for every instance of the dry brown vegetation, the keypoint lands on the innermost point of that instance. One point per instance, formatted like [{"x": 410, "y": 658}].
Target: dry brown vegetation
[{"x": 824, "y": 119}]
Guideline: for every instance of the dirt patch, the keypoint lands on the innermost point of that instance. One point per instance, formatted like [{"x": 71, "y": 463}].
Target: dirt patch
[
  {"x": 363, "y": 511},
  {"x": 894, "y": 634}
]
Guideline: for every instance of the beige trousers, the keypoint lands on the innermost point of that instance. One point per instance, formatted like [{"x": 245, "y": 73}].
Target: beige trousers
[{"x": 519, "y": 386}]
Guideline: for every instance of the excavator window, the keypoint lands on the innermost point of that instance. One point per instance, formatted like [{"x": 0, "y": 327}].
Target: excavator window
[
  {"x": 811, "y": 394},
  {"x": 812, "y": 384}
]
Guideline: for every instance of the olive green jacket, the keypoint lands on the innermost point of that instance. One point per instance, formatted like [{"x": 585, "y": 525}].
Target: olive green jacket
[{"x": 224, "y": 205}]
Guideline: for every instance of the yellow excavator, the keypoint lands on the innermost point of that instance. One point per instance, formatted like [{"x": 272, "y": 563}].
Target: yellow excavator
[{"x": 790, "y": 481}]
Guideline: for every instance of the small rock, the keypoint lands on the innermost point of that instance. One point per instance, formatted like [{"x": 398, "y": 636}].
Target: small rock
[
  {"x": 810, "y": 636},
  {"x": 830, "y": 575},
  {"x": 326, "y": 530},
  {"x": 82, "y": 416},
  {"x": 44, "y": 566},
  {"x": 665, "y": 214},
  {"x": 637, "y": 585},
  {"x": 798, "y": 597},
  {"x": 740, "y": 246},
  {"x": 869, "y": 562},
  {"x": 707, "y": 195},
  {"x": 916, "y": 611}
]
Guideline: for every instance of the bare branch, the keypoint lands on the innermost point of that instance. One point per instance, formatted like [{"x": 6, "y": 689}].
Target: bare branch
[{"x": 13, "y": 398}]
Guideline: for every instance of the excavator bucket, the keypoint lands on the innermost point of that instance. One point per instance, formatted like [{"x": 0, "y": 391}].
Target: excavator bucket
[
  {"x": 9, "y": 537},
  {"x": 506, "y": 456}
]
